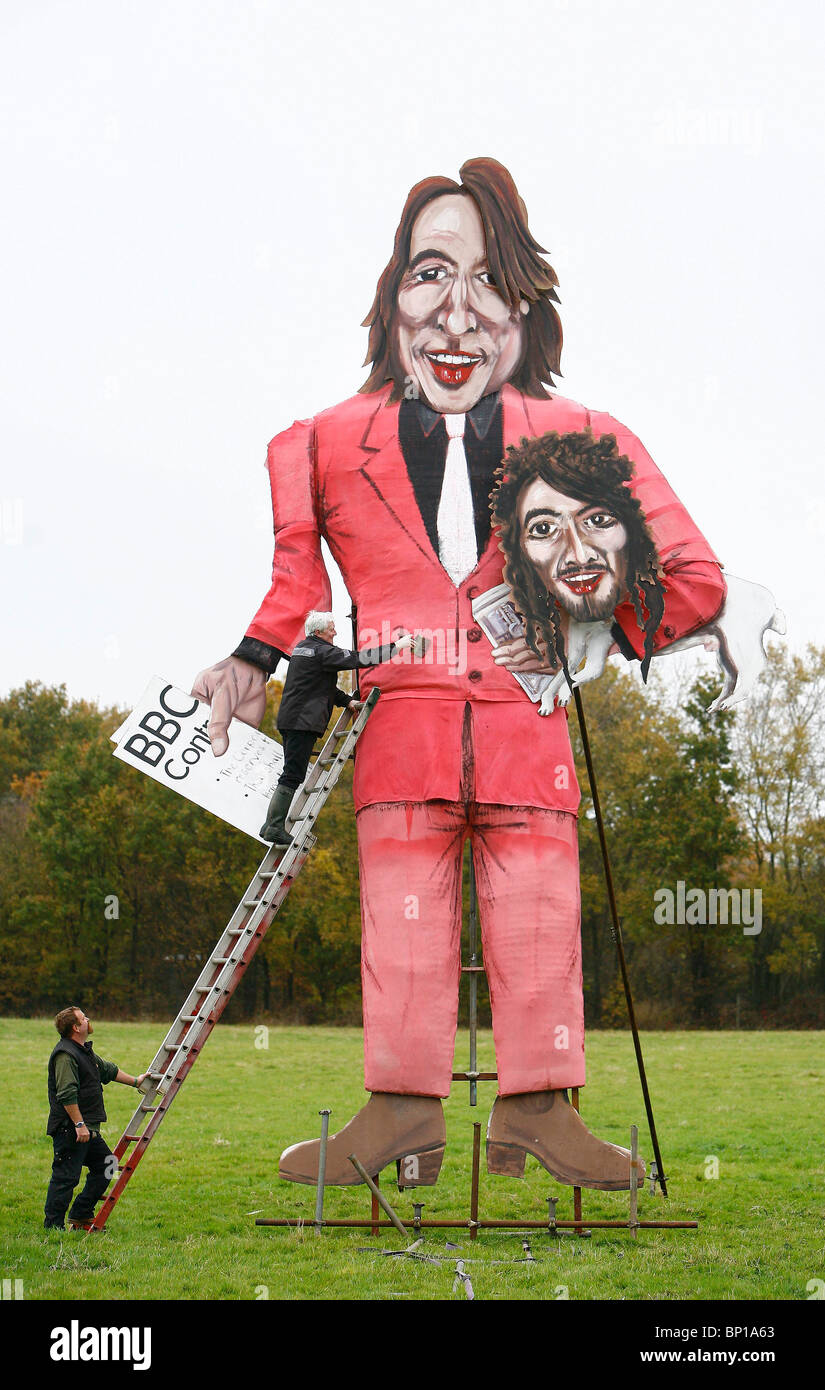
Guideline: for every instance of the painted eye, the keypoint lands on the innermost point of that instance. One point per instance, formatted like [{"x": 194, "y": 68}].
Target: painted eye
[
  {"x": 542, "y": 530},
  {"x": 601, "y": 521},
  {"x": 486, "y": 277},
  {"x": 429, "y": 274}
]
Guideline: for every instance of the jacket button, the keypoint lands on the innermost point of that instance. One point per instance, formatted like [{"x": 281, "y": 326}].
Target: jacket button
[
  {"x": 669, "y": 631},
  {"x": 474, "y": 635},
  {"x": 474, "y": 676},
  {"x": 472, "y": 592}
]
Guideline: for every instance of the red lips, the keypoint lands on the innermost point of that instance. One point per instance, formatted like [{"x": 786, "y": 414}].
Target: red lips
[
  {"x": 585, "y": 583},
  {"x": 452, "y": 373}
]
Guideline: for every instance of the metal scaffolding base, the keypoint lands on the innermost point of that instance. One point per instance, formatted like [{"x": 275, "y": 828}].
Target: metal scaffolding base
[{"x": 472, "y": 1223}]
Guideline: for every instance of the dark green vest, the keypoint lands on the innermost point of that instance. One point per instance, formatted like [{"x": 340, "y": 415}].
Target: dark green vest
[{"x": 89, "y": 1090}]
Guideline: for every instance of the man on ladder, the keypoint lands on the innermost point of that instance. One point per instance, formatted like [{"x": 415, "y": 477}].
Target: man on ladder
[{"x": 310, "y": 691}]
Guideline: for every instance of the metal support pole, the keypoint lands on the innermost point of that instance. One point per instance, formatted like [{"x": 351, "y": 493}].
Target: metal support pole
[
  {"x": 634, "y": 1180},
  {"x": 356, "y": 678},
  {"x": 473, "y": 973},
  {"x": 577, "y": 1192},
  {"x": 489, "y": 1225},
  {"x": 322, "y": 1170},
  {"x": 474, "y": 1186},
  {"x": 617, "y": 935},
  {"x": 377, "y": 1194},
  {"x": 376, "y": 1203}
]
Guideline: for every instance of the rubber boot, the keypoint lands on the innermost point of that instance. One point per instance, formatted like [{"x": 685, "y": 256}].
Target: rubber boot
[{"x": 274, "y": 827}]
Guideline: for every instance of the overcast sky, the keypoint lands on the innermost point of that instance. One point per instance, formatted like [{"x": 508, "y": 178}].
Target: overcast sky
[{"x": 199, "y": 198}]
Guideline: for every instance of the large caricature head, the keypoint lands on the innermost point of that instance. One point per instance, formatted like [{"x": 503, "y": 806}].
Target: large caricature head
[
  {"x": 465, "y": 303},
  {"x": 574, "y": 536}
]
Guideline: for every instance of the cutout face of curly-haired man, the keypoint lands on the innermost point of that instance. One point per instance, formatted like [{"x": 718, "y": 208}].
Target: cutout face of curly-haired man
[{"x": 579, "y": 549}]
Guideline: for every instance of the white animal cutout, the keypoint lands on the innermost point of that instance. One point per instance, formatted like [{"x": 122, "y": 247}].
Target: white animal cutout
[{"x": 736, "y": 635}]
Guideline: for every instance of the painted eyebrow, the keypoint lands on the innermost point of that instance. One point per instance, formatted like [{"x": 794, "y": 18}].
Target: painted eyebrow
[
  {"x": 548, "y": 511},
  {"x": 539, "y": 511},
  {"x": 430, "y": 255}
]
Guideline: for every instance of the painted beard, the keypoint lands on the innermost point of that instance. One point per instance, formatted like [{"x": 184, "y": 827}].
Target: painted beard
[{"x": 589, "y": 593}]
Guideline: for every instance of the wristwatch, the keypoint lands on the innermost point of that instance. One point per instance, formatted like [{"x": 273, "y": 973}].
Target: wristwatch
[{"x": 79, "y": 1124}]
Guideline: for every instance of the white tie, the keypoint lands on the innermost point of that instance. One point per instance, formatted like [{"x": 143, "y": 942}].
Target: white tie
[{"x": 455, "y": 523}]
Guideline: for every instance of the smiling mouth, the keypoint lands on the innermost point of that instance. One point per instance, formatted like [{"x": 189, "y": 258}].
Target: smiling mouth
[
  {"x": 452, "y": 368},
  {"x": 583, "y": 581}
]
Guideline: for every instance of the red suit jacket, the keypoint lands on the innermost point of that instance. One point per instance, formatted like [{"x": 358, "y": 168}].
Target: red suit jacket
[{"x": 342, "y": 476}]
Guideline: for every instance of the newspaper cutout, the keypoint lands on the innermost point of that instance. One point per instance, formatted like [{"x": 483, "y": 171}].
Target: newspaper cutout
[
  {"x": 496, "y": 615},
  {"x": 166, "y": 737}
]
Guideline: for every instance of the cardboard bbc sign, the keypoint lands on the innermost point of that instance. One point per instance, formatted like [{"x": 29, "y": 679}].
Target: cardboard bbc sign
[{"x": 166, "y": 737}]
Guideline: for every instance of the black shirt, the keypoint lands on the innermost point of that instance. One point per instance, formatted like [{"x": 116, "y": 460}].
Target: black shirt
[{"x": 423, "y": 437}]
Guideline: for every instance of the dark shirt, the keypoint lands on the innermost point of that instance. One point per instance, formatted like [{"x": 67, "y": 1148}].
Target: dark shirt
[{"x": 423, "y": 437}]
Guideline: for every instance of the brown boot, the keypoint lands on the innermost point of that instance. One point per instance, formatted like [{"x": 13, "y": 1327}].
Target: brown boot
[
  {"x": 406, "y": 1129},
  {"x": 544, "y": 1124}
]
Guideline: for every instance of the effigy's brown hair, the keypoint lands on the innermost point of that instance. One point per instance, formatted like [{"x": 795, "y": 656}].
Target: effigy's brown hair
[
  {"x": 592, "y": 470},
  {"x": 515, "y": 262}
]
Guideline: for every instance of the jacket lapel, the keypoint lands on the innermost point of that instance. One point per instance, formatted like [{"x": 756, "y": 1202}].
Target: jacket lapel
[{"x": 386, "y": 473}]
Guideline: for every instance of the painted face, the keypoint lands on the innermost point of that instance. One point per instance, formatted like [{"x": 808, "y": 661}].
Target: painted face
[
  {"x": 455, "y": 334},
  {"x": 578, "y": 549}
]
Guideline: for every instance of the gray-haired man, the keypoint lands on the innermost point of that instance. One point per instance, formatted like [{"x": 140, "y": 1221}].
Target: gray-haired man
[{"x": 310, "y": 692}]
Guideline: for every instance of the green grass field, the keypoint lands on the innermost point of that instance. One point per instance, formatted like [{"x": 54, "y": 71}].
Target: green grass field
[{"x": 185, "y": 1227}]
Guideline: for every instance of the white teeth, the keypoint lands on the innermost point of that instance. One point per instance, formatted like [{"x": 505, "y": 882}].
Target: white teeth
[{"x": 452, "y": 359}]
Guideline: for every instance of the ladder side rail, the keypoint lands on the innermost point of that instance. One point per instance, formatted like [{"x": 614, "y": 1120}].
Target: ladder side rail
[
  {"x": 190, "y": 1042},
  {"x": 237, "y": 925},
  {"x": 200, "y": 1000},
  {"x": 245, "y": 931},
  {"x": 155, "y": 1114}
]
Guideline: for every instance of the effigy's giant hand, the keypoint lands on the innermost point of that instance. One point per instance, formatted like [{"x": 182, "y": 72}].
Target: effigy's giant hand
[
  {"x": 236, "y": 690},
  {"x": 519, "y": 657}
]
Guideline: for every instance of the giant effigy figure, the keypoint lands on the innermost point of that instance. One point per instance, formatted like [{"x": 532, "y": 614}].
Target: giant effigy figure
[{"x": 464, "y": 344}]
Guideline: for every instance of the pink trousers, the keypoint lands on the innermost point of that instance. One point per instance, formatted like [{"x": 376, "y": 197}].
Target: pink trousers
[{"x": 527, "y": 879}]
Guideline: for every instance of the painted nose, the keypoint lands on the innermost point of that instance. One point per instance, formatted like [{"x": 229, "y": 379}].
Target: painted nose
[
  {"x": 576, "y": 550},
  {"x": 460, "y": 318}
]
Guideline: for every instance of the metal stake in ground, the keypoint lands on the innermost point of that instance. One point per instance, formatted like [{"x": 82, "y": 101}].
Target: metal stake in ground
[
  {"x": 377, "y": 1193},
  {"x": 322, "y": 1170},
  {"x": 617, "y": 935},
  {"x": 634, "y": 1180}
]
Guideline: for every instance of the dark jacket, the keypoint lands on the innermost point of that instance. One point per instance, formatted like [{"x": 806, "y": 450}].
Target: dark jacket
[
  {"x": 311, "y": 688},
  {"x": 89, "y": 1086}
]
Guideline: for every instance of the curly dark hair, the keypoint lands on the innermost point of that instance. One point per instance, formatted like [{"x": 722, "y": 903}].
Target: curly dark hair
[
  {"x": 591, "y": 468},
  {"x": 517, "y": 266}
]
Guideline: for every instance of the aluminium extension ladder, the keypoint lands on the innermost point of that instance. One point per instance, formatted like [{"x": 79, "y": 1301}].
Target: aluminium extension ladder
[{"x": 227, "y": 964}]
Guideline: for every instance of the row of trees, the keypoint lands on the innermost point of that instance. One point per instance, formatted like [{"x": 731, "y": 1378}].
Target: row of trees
[{"x": 112, "y": 890}]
